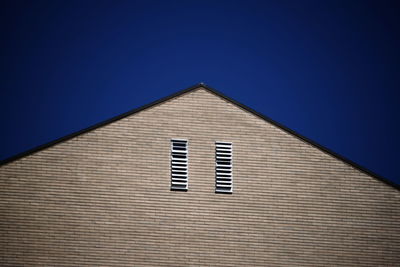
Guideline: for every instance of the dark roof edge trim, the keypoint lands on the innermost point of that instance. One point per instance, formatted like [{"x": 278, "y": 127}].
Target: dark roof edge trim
[
  {"x": 212, "y": 90},
  {"x": 307, "y": 140},
  {"x": 95, "y": 126}
]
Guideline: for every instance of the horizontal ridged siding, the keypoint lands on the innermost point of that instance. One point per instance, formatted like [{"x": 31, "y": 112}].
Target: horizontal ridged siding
[{"x": 103, "y": 198}]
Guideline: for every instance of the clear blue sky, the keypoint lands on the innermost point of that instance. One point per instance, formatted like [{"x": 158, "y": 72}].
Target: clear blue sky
[{"x": 326, "y": 69}]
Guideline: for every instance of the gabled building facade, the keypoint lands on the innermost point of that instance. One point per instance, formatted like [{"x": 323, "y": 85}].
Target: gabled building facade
[{"x": 195, "y": 179}]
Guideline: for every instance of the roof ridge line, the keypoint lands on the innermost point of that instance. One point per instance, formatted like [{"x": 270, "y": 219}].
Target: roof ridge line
[
  {"x": 214, "y": 91},
  {"x": 307, "y": 140},
  {"x": 97, "y": 125}
]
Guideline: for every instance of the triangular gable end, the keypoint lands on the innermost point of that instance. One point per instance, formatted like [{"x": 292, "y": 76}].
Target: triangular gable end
[{"x": 219, "y": 94}]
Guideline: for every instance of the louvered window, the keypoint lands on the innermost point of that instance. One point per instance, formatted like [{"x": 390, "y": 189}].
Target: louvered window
[
  {"x": 179, "y": 164},
  {"x": 223, "y": 167}
]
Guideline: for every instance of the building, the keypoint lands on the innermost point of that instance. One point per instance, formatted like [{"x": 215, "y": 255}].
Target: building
[{"x": 116, "y": 194}]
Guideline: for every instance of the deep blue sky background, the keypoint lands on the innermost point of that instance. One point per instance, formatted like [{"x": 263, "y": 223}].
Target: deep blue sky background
[{"x": 326, "y": 69}]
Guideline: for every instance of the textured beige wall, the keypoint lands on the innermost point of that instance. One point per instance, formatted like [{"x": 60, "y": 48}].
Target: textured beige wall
[{"x": 103, "y": 198}]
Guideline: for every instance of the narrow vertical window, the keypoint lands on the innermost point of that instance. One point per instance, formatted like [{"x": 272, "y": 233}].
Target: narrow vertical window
[
  {"x": 223, "y": 167},
  {"x": 179, "y": 164}
]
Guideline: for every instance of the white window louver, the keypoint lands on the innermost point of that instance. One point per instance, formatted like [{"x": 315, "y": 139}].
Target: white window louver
[
  {"x": 223, "y": 167},
  {"x": 179, "y": 164}
]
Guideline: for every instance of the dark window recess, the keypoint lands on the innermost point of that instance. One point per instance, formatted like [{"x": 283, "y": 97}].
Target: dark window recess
[
  {"x": 179, "y": 164},
  {"x": 223, "y": 167}
]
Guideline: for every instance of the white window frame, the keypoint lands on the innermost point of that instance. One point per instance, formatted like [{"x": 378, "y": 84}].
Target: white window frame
[
  {"x": 177, "y": 182},
  {"x": 220, "y": 184}
]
